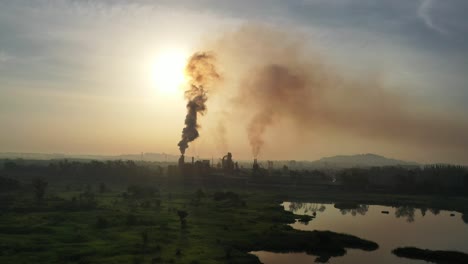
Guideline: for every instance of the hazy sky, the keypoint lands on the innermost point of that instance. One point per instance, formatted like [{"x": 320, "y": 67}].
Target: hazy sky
[{"x": 79, "y": 76}]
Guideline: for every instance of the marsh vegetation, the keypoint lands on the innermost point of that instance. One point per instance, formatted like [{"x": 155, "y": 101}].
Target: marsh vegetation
[{"x": 124, "y": 212}]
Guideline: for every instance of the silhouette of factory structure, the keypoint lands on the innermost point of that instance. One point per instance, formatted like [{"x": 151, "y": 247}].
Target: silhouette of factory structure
[
  {"x": 227, "y": 172},
  {"x": 194, "y": 168},
  {"x": 203, "y": 167}
]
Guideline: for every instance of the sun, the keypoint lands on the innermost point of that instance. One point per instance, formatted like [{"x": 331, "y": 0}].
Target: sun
[{"x": 169, "y": 71}]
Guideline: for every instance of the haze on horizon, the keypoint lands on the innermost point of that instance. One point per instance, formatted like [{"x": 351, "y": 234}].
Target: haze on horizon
[{"x": 92, "y": 77}]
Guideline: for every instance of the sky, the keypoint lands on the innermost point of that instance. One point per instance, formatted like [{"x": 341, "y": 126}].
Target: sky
[{"x": 83, "y": 77}]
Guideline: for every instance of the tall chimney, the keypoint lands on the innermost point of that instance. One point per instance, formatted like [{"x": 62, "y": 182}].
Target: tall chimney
[
  {"x": 255, "y": 166},
  {"x": 193, "y": 160},
  {"x": 181, "y": 161}
]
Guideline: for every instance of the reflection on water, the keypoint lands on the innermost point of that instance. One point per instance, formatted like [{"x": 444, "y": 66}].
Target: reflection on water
[
  {"x": 390, "y": 227},
  {"x": 359, "y": 209},
  {"x": 406, "y": 212},
  {"x": 307, "y": 208}
]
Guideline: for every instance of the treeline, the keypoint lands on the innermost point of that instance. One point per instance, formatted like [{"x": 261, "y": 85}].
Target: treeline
[
  {"x": 415, "y": 179},
  {"x": 433, "y": 178},
  {"x": 8, "y": 184},
  {"x": 121, "y": 172}
]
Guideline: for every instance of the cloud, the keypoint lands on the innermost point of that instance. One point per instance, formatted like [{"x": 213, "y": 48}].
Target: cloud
[
  {"x": 98, "y": 48},
  {"x": 424, "y": 12},
  {"x": 4, "y": 57}
]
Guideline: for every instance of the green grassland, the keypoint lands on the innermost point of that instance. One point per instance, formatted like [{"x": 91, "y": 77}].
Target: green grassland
[
  {"x": 122, "y": 212},
  {"x": 144, "y": 227}
]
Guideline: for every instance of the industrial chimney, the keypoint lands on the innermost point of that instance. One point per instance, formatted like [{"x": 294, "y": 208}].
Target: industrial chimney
[
  {"x": 255, "y": 166},
  {"x": 181, "y": 161}
]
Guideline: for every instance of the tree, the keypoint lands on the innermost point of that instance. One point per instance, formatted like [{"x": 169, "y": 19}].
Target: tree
[
  {"x": 102, "y": 188},
  {"x": 144, "y": 239},
  {"x": 182, "y": 215},
  {"x": 10, "y": 165},
  {"x": 39, "y": 186},
  {"x": 355, "y": 178},
  {"x": 199, "y": 194},
  {"x": 102, "y": 222},
  {"x": 7, "y": 184},
  {"x": 87, "y": 199}
]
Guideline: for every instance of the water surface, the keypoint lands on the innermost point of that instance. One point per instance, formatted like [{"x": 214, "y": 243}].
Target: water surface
[{"x": 402, "y": 226}]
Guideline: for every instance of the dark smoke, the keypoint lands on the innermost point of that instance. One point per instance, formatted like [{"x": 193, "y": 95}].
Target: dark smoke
[
  {"x": 279, "y": 78},
  {"x": 276, "y": 91},
  {"x": 220, "y": 132},
  {"x": 202, "y": 74}
]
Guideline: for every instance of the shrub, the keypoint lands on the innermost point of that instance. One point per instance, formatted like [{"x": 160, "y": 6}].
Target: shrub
[{"x": 102, "y": 222}]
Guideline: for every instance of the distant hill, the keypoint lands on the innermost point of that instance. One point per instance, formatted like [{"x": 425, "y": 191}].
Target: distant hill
[{"x": 361, "y": 160}]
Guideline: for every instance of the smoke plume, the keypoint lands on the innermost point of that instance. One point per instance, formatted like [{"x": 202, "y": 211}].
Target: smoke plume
[
  {"x": 280, "y": 78},
  {"x": 202, "y": 74}
]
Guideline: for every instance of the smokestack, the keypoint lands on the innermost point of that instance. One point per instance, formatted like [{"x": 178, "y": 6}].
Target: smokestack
[
  {"x": 255, "y": 166},
  {"x": 193, "y": 160},
  {"x": 270, "y": 165},
  {"x": 181, "y": 161}
]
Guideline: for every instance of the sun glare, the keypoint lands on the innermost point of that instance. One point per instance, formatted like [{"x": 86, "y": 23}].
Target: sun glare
[{"x": 168, "y": 71}]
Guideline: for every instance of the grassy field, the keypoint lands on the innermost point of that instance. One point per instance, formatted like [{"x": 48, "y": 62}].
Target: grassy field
[{"x": 146, "y": 227}]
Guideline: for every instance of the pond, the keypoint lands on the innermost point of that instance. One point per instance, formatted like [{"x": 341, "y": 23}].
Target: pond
[{"x": 390, "y": 227}]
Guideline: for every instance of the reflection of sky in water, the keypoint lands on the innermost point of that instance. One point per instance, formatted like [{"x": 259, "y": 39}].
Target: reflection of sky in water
[{"x": 403, "y": 226}]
